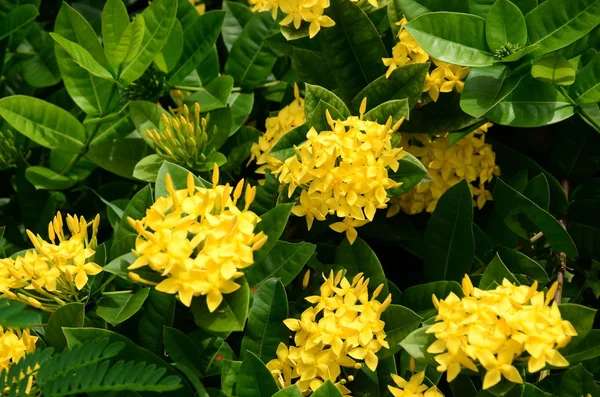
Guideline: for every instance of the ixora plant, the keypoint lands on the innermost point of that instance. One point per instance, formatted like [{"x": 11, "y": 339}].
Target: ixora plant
[{"x": 300, "y": 198}]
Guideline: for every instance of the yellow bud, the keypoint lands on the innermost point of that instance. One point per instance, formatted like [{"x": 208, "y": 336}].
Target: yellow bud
[
  {"x": 350, "y": 378},
  {"x": 137, "y": 279},
  {"x": 306, "y": 279},
  {"x": 363, "y": 107},
  {"x": 166, "y": 120},
  {"x": 197, "y": 107},
  {"x": 411, "y": 365},
  {"x": 215, "y": 176},
  {"x": 296, "y": 91},
  {"x": 191, "y": 185}
]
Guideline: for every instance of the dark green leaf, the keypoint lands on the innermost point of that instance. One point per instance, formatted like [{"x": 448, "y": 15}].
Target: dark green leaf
[
  {"x": 581, "y": 317},
  {"x": 181, "y": 349},
  {"x": 411, "y": 172},
  {"x": 146, "y": 116},
  {"x": 483, "y": 7},
  {"x": 112, "y": 129},
  {"x": 147, "y": 168},
  {"x": 397, "y": 110},
  {"x": 14, "y": 314},
  {"x": 587, "y": 348},
  {"x": 587, "y": 85},
  {"x": 236, "y": 17},
  {"x": 554, "y": 70},
  {"x": 218, "y": 128},
  {"x": 284, "y": 261},
  {"x": 272, "y": 224},
  {"x": 229, "y": 316},
  {"x": 520, "y": 263},
  {"x": 399, "y": 323},
  {"x": 315, "y": 94},
  {"x": 290, "y": 391},
  {"x": 238, "y": 146},
  {"x": 119, "y": 156},
  {"x": 319, "y": 120},
  {"x": 117, "y": 308},
  {"x": 70, "y": 315},
  {"x": 214, "y": 95},
  {"x": 125, "y": 235},
  {"x": 418, "y": 297},
  {"x": 254, "y": 379},
  {"x": 494, "y": 273},
  {"x": 241, "y": 105},
  {"x": 327, "y": 389},
  {"x": 158, "y": 312},
  {"x": 416, "y": 345},
  {"x": 360, "y": 258},
  {"x": 178, "y": 177},
  {"x": 577, "y": 382},
  {"x": 505, "y": 24},
  {"x": 16, "y": 19}
]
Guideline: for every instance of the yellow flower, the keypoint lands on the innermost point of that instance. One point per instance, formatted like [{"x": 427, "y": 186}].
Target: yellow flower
[
  {"x": 198, "y": 240},
  {"x": 495, "y": 327},
  {"x": 343, "y": 172},
  {"x": 342, "y": 327},
  {"x": 14, "y": 345},
  {"x": 298, "y": 11},
  {"x": 470, "y": 158},
  {"x": 200, "y": 6},
  {"x": 288, "y": 118},
  {"x": 414, "y": 387}
]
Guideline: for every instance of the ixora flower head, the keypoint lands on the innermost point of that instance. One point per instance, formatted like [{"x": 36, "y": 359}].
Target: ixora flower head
[
  {"x": 198, "y": 240},
  {"x": 341, "y": 328},
  {"x": 414, "y": 387},
  {"x": 14, "y": 345},
  {"x": 56, "y": 272},
  {"x": 291, "y": 116},
  {"x": 496, "y": 327},
  {"x": 470, "y": 158},
  {"x": 343, "y": 171}
]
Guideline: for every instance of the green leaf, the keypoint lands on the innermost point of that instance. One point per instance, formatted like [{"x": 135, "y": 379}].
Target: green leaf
[
  {"x": 509, "y": 202},
  {"x": 581, "y": 317},
  {"x": 586, "y": 349},
  {"x": 416, "y": 344},
  {"x": 130, "y": 43},
  {"x": 115, "y": 22},
  {"x": 532, "y": 104},
  {"x": 16, "y": 19},
  {"x": 265, "y": 329},
  {"x": 411, "y": 172},
  {"x": 486, "y": 87},
  {"x": 290, "y": 391},
  {"x": 577, "y": 382},
  {"x": 418, "y": 297},
  {"x": 70, "y": 315},
  {"x": 483, "y": 7},
  {"x": 254, "y": 379},
  {"x": 147, "y": 168},
  {"x": 119, "y": 156},
  {"x": 554, "y": 70},
  {"x": 229, "y": 316},
  {"x": 494, "y": 273},
  {"x": 555, "y": 24},
  {"x": 94, "y": 95},
  {"x": 43, "y": 123},
  {"x": 181, "y": 349},
  {"x": 112, "y": 129},
  {"x": 241, "y": 105},
  {"x": 250, "y": 59},
  {"x": 360, "y": 258},
  {"x": 587, "y": 84},
  {"x": 319, "y": 120},
  {"x": 158, "y": 312},
  {"x": 327, "y": 389},
  {"x": 214, "y": 95},
  {"x": 166, "y": 60},
  {"x": 505, "y": 23},
  {"x": 315, "y": 94},
  {"x": 198, "y": 41},
  {"x": 238, "y": 147},
  {"x": 146, "y": 116},
  {"x": 218, "y": 128},
  {"x": 159, "y": 18},
  {"x": 520, "y": 263},
  {"x": 266, "y": 195},
  {"x": 229, "y": 376},
  {"x": 399, "y": 323},
  {"x": 452, "y": 37},
  {"x": 82, "y": 57},
  {"x": 14, "y": 314},
  {"x": 237, "y": 16},
  {"x": 117, "y": 308},
  {"x": 125, "y": 235},
  {"x": 538, "y": 191},
  {"x": 449, "y": 241},
  {"x": 272, "y": 224},
  {"x": 178, "y": 176},
  {"x": 397, "y": 110},
  {"x": 214, "y": 351},
  {"x": 352, "y": 47},
  {"x": 45, "y": 178},
  {"x": 284, "y": 261}
]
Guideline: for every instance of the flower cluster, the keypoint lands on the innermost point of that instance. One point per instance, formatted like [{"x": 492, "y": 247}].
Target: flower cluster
[
  {"x": 182, "y": 138},
  {"x": 198, "y": 239},
  {"x": 470, "y": 158},
  {"x": 14, "y": 345},
  {"x": 44, "y": 277},
  {"x": 291, "y": 116},
  {"x": 343, "y": 171},
  {"x": 413, "y": 387},
  {"x": 496, "y": 327},
  {"x": 444, "y": 78},
  {"x": 342, "y": 327}
]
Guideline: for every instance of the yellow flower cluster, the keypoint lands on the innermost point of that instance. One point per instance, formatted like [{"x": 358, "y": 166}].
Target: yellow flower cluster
[
  {"x": 291, "y": 116},
  {"x": 496, "y": 327},
  {"x": 14, "y": 345},
  {"x": 44, "y": 277},
  {"x": 413, "y": 387},
  {"x": 342, "y": 327},
  {"x": 198, "y": 239},
  {"x": 343, "y": 171},
  {"x": 470, "y": 158},
  {"x": 444, "y": 78}
]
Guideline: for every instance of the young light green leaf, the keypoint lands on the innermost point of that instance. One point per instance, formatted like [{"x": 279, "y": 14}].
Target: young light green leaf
[
  {"x": 115, "y": 21},
  {"x": 587, "y": 85},
  {"x": 117, "y": 308},
  {"x": 130, "y": 43},
  {"x": 45, "y": 178},
  {"x": 178, "y": 177},
  {"x": 411, "y": 172},
  {"x": 554, "y": 70},
  {"x": 44, "y": 123},
  {"x": 82, "y": 57},
  {"x": 213, "y": 95},
  {"x": 399, "y": 323},
  {"x": 147, "y": 168},
  {"x": 231, "y": 314},
  {"x": 452, "y": 37},
  {"x": 16, "y": 19},
  {"x": 505, "y": 24},
  {"x": 167, "y": 58}
]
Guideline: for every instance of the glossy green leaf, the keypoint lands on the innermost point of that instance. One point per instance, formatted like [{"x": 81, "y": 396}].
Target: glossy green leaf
[
  {"x": 16, "y": 19},
  {"x": 178, "y": 177},
  {"x": 254, "y": 379},
  {"x": 505, "y": 23},
  {"x": 439, "y": 117},
  {"x": 582, "y": 318},
  {"x": 238, "y": 147},
  {"x": 352, "y": 48},
  {"x": 520, "y": 263},
  {"x": 229, "y": 316},
  {"x": 146, "y": 116},
  {"x": 265, "y": 329},
  {"x": 45, "y": 178},
  {"x": 241, "y": 105},
  {"x": 125, "y": 235},
  {"x": 587, "y": 85},
  {"x": 396, "y": 109},
  {"x": 214, "y": 351},
  {"x": 119, "y": 156},
  {"x": 416, "y": 344},
  {"x": 399, "y": 323},
  {"x": 538, "y": 191},
  {"x": 311, "y": 67},
  {"x": 588, "y": 348},
  {"x": 554, "y": 70},
  {"x": 315, "y": 94},
  {"x": 318, "y": 119},
  {"x": 452, "y": 37},
  {"x": 577, "y": 382},
  {"x": 147, "y": 168},
  {"x": 213, "y": 95},
  {"x": 198, "y": 41},
  {"x": 360, "y": 258},
  {"x": 272, "y": 224},
  {"x": 532, "y": 104},
  {"x": 510, "y": 201},
  {"x": 555, "y": 24},
  {"x": 495, "y": 273},
  {"x": 117, "y": 308},
  {"x": 290, "y": 391},
  {"x": 284, "y": 147},
  {"x": 69, "y": 315},
  {"x": 418, "y": 297},
  {"x": 130, "y": 43},
  {"x": 449, "y": 241},
  {"x": 40, "y": 69},
  {"x": 158, "y": 312},
  {"x": 166, "y": 60},
  {"x": 82, "y": 57},
  {"x": 116, "y": 128},
  {"x": 181, "y": 349},
  {"x": 236, "y": 17},
  {"x": 94, "y": 95},
  {"x": 159, "y": 18},
  {"x": 284, "y": 261},
  {"x": 43, "y": 123},
  {"x": 218, "y": 128},
  {"x": 115, "y": 22},
  {"x": 15, "y": 314},
  {"x": 327, "y": 389},
  {"x": 483, "y": 7},
  {"x": 411, "y": 172}
]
